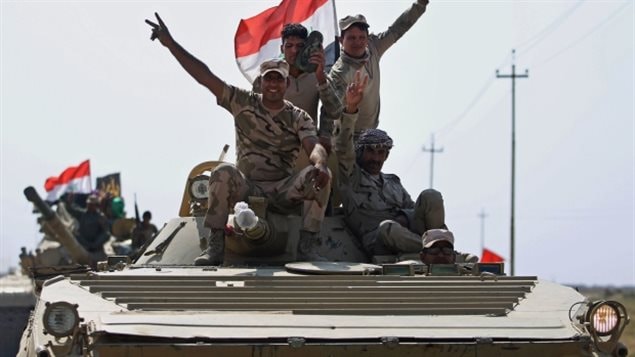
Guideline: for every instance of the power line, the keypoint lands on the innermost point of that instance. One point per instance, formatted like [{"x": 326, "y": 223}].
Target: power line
[
  {"x": 542, "y": 34},
  {"x": 583, "y": 37}
]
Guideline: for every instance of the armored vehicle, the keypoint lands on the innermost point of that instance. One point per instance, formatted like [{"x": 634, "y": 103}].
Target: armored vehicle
[{"x": 262, "y": 302}]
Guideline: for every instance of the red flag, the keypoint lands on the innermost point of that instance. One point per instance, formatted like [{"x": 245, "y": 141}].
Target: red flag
[
  {"x": 258, "y": 38},
  {"x": 73, "y": 179},
  {"x": 489, "y": 256}
]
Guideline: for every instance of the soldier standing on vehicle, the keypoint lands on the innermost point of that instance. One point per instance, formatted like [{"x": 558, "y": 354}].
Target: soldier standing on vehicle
[
  {"x": 362, "y": 51},
  {"x": 377, "y": 207},
  {"x": 93, "y": 230},
  {"x": 269, "y": 133}
]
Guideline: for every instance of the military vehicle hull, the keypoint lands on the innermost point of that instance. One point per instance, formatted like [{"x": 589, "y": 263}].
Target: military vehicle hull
[
  {"x": 262, "y": 302},
  {"x": 278, "y": 312}
]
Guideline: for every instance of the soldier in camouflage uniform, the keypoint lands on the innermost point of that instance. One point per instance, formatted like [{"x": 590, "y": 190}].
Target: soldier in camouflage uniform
[
  {"x": 362, "y": 51},
  {"x": 377, "y": 207},
  {"x": 269, "y": 134},
  {"x": 306, "y": 89}
]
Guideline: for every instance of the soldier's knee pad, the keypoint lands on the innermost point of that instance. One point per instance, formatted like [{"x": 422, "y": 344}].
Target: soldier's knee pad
[
  {"x": 385, "y": 227},
  {"x": 431, "y": 195}
]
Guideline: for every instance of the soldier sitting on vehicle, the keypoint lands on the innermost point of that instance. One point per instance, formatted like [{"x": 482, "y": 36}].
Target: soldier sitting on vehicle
[
  {"x": 438, "y": 248},
  {"x": 377, "y": 208},
  {"x": 270, "y": 132}
]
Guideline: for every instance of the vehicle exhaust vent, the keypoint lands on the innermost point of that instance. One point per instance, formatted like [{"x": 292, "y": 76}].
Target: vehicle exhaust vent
[{"x": 327, "y": 294}]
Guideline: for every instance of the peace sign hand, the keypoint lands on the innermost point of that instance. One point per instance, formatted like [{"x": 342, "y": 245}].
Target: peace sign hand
[
  {"x": 160, "y": 31},
  {"x": 355, "y": 92}
]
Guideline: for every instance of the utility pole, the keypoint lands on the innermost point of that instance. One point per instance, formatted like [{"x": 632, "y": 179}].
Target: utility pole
[
  {"x": 482, "y": 216},
  {"x": 513, "y": 77},
  {"x": 432, "y": 151}
]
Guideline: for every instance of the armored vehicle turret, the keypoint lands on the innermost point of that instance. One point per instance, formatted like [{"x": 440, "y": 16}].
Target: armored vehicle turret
[{"x": 262, "y": 302}]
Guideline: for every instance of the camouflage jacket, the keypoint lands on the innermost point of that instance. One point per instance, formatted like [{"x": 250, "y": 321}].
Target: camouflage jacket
[
  {"x": 305, "y": 92},
  {"x": 367, "y": 200},
  {"x": 267, "y": 145},
  {"x": 343, "y": 71}
]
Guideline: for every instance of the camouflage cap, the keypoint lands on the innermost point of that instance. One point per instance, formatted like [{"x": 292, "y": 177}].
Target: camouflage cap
[
  {"x": 432, "y": 236},
  {"x": 352, "y": 19},
  {"x": 275, "y": 65}
]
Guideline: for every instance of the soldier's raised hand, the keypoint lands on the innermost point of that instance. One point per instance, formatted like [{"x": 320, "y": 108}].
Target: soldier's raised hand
[
  {"x": 355, "y": 92},
  {"x": 317, "y": 58},
  {"x": 160, "y": 31}
]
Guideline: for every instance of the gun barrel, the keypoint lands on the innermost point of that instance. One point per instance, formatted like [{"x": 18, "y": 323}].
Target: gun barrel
[{"x": 62, "y": 234}]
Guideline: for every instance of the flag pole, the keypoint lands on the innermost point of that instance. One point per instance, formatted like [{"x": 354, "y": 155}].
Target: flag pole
[{"x": 337, "y": 42}]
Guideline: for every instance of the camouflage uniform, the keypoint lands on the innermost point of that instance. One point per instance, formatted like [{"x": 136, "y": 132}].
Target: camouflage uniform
[
  {"x": 343, "y": 71},
  {"x": 305, "y": 92},
  {"x": 266, "y": 148},
  {"x": 371, "y": 204}
]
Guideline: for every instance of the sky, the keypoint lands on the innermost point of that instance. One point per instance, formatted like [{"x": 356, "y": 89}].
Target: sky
[{"x": 81, "y": 80}]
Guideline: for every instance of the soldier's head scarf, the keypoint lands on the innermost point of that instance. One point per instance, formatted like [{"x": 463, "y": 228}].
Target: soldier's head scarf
[{"x": 374, "y": 138}]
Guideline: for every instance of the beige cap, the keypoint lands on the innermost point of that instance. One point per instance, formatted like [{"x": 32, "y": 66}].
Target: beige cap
[
  {"x": 352, "y": 19},
  {"x": 275, "y": 65},
  {"x": 434, "y": 235}
]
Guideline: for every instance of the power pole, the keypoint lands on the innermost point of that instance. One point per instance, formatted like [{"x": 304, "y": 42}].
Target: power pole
[
  {"x": 482, "y": 216},
  {"x": 432, "y": 151},
  {"x": 513, "y": 77}
]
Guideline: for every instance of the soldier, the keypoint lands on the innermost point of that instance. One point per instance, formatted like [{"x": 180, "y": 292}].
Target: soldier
[
  {"x": 438, "y": 248},
  {"x": 269, "y": 134},
  {"x": 143, "y": 231},
  {"x": 377, "y": 207},
  {"x": 362, "y": 51},
  {"x": 307, "y": 89},
  {"x": 93, "y": 230}
]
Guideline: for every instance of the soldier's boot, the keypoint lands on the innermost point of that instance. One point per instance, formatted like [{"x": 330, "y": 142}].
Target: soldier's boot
[
  {"x": 308, "y": 247},
  {"x": 213, "y": 254}
]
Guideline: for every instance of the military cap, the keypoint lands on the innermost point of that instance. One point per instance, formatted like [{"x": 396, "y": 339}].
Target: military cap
[
  {"x": 349, "y": 20},
  {"x": 275, "y": 65},
  {"x": 432, "y": 236}
]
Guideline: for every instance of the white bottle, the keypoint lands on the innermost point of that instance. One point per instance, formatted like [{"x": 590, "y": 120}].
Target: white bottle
[{"x": 244, "y": 217}]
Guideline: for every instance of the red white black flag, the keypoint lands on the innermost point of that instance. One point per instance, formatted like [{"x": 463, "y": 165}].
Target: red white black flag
[{"x": 74, "y": 179}]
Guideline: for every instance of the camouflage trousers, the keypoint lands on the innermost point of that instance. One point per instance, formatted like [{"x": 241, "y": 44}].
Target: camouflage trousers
[
  {"x": 391, "y": 237},
  {"x": 293, "y": 195}
]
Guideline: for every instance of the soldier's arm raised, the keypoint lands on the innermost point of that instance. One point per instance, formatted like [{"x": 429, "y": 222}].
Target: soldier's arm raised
[
  {"x": 344, "y": 145},
  {"x": 192, "y": 65}
]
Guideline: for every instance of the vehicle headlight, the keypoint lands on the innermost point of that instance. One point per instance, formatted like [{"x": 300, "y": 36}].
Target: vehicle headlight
[
  {"x": 60, "y": 318},
  {"x": 605, "y": 321},
  {"x": 199, "y": 186}
]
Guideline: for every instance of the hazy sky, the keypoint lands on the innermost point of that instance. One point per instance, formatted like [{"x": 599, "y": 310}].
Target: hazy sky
[{"x": 81, "y": 80}]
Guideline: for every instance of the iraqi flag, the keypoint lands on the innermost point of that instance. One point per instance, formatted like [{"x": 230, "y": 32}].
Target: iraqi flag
[
  {"x": 74, "y": 179},
  {"x": 491, "y": 257},
  {"x": 258, "y": 38}
]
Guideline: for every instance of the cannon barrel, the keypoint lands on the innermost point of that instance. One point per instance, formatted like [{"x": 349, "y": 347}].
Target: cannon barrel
[{"x": 55, "y": 225}]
